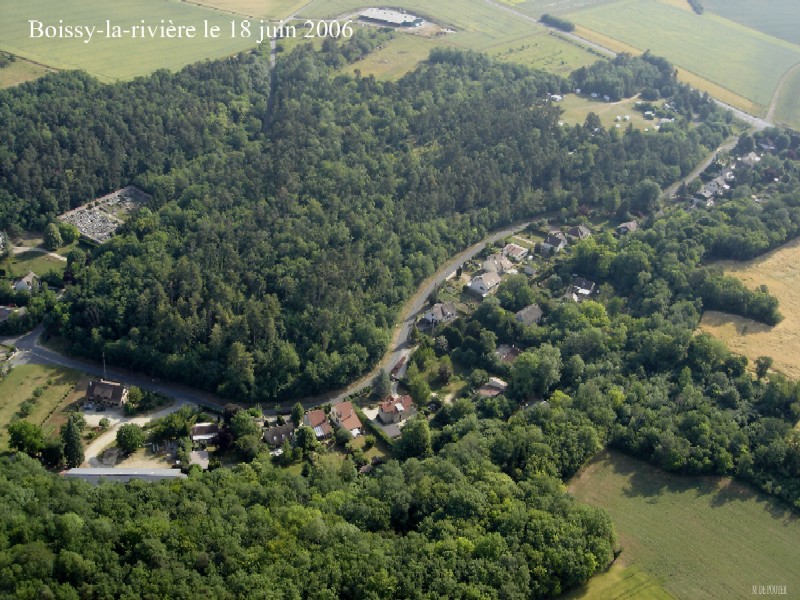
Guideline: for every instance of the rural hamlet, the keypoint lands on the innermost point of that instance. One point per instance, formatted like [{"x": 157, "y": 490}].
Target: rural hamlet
[{"x": 469, "y": 300}]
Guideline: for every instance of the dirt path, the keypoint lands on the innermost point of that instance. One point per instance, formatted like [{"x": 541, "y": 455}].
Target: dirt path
[
  {"x": 107, "y": 438},
  {"x": 776, "y": 95},
  {"x": 23, "y": 249}
]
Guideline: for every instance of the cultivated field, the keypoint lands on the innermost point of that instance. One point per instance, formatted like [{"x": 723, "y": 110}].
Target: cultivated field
[
  {"x": 478, "y": 26},
  {"x": 111, "y": 59},
  {"x": 743, "y": 60},
  {"x": 787, "y": 110},
  {"x": 20, "y": 71},
  {"x": 701, "y": 537},
  {"x": 537, "y": 8},
  {"x": 22, "y": 384},
  {"x": 778, "y": 18},
  {"x": 260, "y": 9},
  {"x": 779, "y": 270}
]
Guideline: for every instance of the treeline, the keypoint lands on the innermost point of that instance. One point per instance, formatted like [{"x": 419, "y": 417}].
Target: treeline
[
  {"x": 557, "y": 22},
  {"x": 626, "y": 75},
  {"x": 278, "y": 256}
]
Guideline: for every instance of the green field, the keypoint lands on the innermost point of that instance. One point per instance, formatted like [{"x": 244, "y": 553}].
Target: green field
[
  {"x": 18, "y": 265},
  {"x": 702, "y": 537},
  {"x": 20, "y": 71},
  {"x": 746, "y": 61},
  {"x": 787, "y": 110},
  {"x": 263, "y": 9},
  {"x": 537, "y": 8},
  {"x": 111, "y": 59},
  {"x": 19, "y": 385},
  {"x": 778, "y": 18},
  {"x": 481, "y": 27},
  {"x": 619, "y": 582}
]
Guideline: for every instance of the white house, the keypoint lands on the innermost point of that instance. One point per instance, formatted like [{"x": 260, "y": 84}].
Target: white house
[{"x": 485, "y": 283}]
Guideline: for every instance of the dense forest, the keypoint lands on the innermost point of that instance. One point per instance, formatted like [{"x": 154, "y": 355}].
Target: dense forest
[
  {"x": 450, "y": 526},
  {"x": 280, "y": 246}
]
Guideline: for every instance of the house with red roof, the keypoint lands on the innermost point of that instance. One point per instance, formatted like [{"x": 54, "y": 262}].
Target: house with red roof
[
  {"x": 344, "y": 415},
  {"x": 396, "y": 409}
]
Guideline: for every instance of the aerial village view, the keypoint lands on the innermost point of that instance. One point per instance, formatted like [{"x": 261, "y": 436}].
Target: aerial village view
[{"x": 473, "y": 299}]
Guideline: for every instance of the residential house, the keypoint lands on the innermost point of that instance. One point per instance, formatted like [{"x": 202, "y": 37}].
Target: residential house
[
  {"x": 440, "y": 313},
  {"x": 497, "y": 263},
  {"x": 276, "y": 435},
  {"x": 579, "y": 232},
  {"x": 515, "y": 252},
  {"x": 204, "y": 432},
  {"x": 581, "y": 289},
  {"x": 27, "y": 283},
  {"x": 318, "y": 421},
  {"x": 506, "y": 353},
  {"x": 494, "y": 387},
  {"x": 529, "y": 315},
  {"x": 554, "y": 243},
  {"x": 750, "y": 159},
  {"x": 483, "y": 284},
  {"x": 344, "y": 415},
  {"x": 107, "y": 393},
  {"x": 396, "y": 409},
  {"x": 628, "y": 227}
]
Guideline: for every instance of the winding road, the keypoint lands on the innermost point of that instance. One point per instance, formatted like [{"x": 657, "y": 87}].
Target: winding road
[{"x": 30, "y": 351}]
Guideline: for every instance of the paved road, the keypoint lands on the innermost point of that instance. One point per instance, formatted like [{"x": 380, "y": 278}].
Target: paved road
[
  {"x": 30, "y": 351},
  {"x": 728, "y": 145}
]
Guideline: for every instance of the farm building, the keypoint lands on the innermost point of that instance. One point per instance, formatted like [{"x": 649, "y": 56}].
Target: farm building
[
  {"x": 392, "y": 18},
  {"x": 118, "y": 475}
]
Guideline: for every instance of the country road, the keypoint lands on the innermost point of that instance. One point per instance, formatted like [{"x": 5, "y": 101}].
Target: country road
[
  {"x": 728, "y": 145},
  {"x": 30, "y": 351}
]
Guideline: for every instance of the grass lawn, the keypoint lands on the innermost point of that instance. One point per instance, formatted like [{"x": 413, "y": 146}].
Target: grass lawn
[
  {"x": 20, "y": 71},
  {"x": 18, "y": 265},
  {"x": 56, "y": 385},
  {"x": 701, "y": 537},
  {"x": 743, "y": 60},
  {"x": 577, "y": 107},
  {"x": 779, "y": 270},
  {"x": 111, "y": 59},
  {"x": 630, "y": 583}
]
